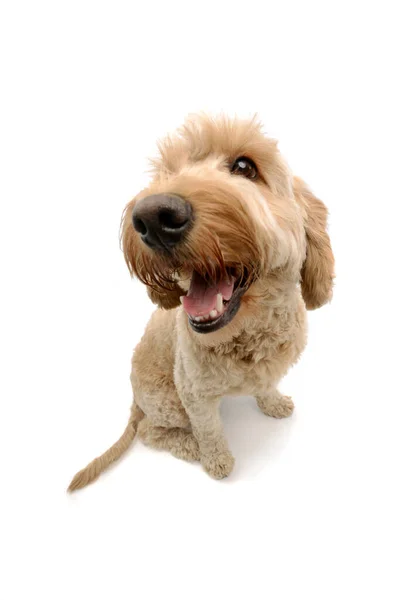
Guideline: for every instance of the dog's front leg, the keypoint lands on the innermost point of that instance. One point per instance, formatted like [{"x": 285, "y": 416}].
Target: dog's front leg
[{"x": 204, "y": 416}]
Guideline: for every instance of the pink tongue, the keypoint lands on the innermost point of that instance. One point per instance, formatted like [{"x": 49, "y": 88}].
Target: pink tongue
[{"x": 201, "y": 298}]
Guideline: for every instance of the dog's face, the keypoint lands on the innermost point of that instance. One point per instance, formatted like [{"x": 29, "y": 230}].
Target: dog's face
[{"x": 221, "y": 217}]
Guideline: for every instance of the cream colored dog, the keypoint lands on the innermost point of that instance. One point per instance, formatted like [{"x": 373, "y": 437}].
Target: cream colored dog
[{"x": 232, "y": 249}]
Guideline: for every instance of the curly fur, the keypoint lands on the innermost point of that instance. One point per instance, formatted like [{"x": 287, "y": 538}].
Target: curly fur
[{"x": 272, "y": 233}]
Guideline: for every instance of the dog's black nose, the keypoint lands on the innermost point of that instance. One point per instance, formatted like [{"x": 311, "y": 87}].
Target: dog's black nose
[{"x": 162, "y": 220}]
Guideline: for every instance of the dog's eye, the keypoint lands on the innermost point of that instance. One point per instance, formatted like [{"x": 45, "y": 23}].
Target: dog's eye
[{"x": 246, "y": 167}]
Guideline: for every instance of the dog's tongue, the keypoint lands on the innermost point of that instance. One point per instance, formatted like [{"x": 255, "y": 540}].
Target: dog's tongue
[{"x": 201, "y": 297}]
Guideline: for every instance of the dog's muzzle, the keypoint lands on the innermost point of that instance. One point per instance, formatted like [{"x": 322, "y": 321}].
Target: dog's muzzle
[{"x": 162, "y": 220}]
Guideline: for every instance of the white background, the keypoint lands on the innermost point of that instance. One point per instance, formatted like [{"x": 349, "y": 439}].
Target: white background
[{"x": 316, "y": 506}]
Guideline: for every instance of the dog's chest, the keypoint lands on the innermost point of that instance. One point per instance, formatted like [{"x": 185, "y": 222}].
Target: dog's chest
[
  {"x": 237, "y": 371},
  {"x": 247, "y": 365}
]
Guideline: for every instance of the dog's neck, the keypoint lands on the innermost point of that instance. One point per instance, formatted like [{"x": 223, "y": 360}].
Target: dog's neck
[{"x": 266, "y": 307}]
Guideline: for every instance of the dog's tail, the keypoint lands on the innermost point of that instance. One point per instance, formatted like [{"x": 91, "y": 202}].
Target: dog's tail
[{"x": 99, "y": 464}]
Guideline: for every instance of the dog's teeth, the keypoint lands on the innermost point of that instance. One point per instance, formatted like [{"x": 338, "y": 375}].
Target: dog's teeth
[
  {"x": 204, "y": 318},
  {"x": 219, "y": 303},
  {"x": 182, "y": 299}
]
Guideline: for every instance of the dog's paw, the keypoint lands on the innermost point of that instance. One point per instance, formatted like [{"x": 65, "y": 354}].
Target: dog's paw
[
  {"x": 278, "y": 407},
  {"x": 219, "y": 464}
]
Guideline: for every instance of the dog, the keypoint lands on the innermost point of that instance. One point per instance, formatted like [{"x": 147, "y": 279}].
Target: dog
[{"x": 233, "y": 249}]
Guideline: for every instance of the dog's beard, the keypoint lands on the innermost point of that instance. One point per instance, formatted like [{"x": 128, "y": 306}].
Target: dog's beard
[
  {"x": 213, "y": 275},
  {"x": 212, "y": 293}
]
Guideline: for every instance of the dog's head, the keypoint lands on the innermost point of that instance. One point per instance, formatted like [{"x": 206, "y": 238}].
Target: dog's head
[{"x": 221, "y": 217}]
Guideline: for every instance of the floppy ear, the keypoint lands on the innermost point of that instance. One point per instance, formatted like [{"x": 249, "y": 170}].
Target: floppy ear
[
  {"x": 167, "y": 298},
  {"x": 318, "y": 268}
]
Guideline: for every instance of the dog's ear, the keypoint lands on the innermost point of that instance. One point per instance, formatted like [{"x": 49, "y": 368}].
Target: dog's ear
[
  {"x": 318, "y": 268},
  {"x": 166, "y": 298}
]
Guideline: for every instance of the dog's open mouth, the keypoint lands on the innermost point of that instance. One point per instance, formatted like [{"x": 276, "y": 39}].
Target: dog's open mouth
[{"x": 211, "y": 306}]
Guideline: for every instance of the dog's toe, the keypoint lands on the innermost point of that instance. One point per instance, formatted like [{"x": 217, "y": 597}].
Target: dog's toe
[
  {"x": 218, "y": 465},
  {"x": 279, "y": 407}
]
